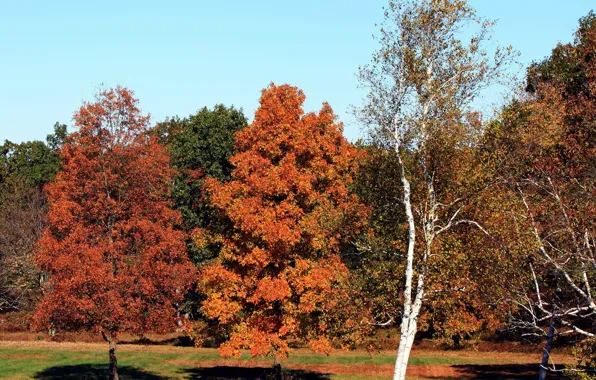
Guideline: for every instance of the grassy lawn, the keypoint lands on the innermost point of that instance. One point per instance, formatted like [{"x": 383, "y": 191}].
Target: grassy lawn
[{"x": 43, "y": 360}]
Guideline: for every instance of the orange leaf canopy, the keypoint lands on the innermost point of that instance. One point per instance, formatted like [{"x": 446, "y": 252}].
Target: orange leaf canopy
[
  {"x": 279, "y": 274},
  {"x": 115, "y": 261}
]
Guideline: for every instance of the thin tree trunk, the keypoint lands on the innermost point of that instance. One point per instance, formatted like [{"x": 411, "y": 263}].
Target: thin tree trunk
[
  {"x": 399, "y": 371},
  {"x": 277, "y": 369},
  {"x": 113, "y": 369},
  {"x": 547, "y": 347},
  {"x": 409, "y": 344},
  {"x": 408, "y": 332},
  {"x": 406, "y": 341},
  {"x": 410, "y": 314}
]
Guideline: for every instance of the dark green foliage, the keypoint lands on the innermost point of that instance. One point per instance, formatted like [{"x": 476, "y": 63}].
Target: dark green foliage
[
  {"x": 378, "y": 186},
  {"x": 375, "y": 265},
  {"x": 58, "y": 138},
  {"x": 201, "y": 146},
  {"x": 167, "y": 130},
  {"x": 33, "y": 163}
]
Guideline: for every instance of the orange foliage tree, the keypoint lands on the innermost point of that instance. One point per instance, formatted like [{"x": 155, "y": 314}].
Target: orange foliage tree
[
  {"x": 279, "y": 274},
  {"x": 116, "y": 263}
]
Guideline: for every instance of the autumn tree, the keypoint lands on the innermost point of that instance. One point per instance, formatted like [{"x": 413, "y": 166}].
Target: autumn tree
[
  {"x": 544, "y": 145},
  {"x": 279, "y": 274},
  {"x": 115, "y": 262},
  {"x": 421, "y": 85},
  {"x": 471, "y": 269}
]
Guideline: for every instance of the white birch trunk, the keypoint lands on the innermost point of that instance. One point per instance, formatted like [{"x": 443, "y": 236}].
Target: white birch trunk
[
  {"x": 409, "y": 323},
  {"x": 406, "y": 342},
  {"x": 399, "y": 371},
  {"x": 411, "y": 310},
  {"x": 409, "y": 328}
]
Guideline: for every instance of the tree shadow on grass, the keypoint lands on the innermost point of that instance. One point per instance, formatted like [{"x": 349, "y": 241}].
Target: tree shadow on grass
[
  {"x": 229, "y": 373},
  {"x": 181, "y": 341},
  {"x": 93, "y": 372},
  {"x": 503, "y": 371}
]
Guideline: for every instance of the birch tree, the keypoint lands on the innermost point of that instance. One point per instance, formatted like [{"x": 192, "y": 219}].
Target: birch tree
[
  {"x": 421, "y": 85},
  {"x": 546, "y": 150},
  {"x": 562, "y": 277},
  {"x": 554, "y": 187},
  {"x": 469, "y": 272}
]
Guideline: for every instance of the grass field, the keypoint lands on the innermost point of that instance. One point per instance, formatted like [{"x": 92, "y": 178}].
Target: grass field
[{"x": 46, "y": 360}]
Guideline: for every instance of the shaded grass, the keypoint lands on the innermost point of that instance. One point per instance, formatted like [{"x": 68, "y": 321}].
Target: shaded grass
[
  {"x": 226, "y": 372},
  {"x": 154, "y": 364},
  {"x": 93, "y": 372}
]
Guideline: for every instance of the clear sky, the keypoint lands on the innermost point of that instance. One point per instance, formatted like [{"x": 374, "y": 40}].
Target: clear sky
[{"x": 179, "y": 56}]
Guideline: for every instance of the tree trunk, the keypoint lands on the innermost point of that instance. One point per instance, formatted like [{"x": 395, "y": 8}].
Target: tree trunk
[
  {"x": 547, "y": 346},
  {"x": 403, "y": 353},
  {"x": 277, "y": 369},
  {"x": 113, "y": 369},
  {"x": 406, "y": 340},
  {"x": 410, "y": 313}
]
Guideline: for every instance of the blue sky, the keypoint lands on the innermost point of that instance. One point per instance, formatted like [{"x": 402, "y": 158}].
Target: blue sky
[{"x": 179, "y": 56}]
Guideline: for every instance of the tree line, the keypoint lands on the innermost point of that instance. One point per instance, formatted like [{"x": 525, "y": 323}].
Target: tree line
[{"x": 441, "y": 222}]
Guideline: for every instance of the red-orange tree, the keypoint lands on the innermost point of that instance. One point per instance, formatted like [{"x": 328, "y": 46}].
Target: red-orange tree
[
  {"x": 115, "y": 261},
  {"x": 279, "y": 274}
]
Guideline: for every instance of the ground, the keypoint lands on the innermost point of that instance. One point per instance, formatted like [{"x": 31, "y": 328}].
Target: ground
[{"x": 69, "y": 360}]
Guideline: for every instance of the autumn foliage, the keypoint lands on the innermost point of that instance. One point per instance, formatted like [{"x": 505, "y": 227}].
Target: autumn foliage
[
  {"x": 114, "y": 259},
  {"x": 257, "y": 237},
  {"x": 279, "y": 274}
]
